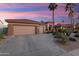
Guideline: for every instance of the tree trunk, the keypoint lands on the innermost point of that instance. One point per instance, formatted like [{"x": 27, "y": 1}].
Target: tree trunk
[
  {"x": 72, "y": 23},
  {"x": 53, "y": 17}
]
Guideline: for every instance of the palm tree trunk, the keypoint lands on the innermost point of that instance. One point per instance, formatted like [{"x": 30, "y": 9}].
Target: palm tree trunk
[
  {"x": 53, "y": 17},
  {"x": 70, "y": 18},
  {"x": 72, "y": 23}
]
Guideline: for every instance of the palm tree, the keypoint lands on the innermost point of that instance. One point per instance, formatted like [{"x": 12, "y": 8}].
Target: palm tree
[
  {"x": 52, "y": 7},
  {"x": 69, "y": 8}
]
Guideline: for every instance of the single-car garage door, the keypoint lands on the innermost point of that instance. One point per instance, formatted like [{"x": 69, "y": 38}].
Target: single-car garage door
[
  {"x": 22, "y": 30},
  {"x": 41, "y": 29}
]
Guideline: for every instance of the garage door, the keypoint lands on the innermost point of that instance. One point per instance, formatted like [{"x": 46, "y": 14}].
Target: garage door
[
  {"x": 22, "y": 30},
  {"x": 41, "y": 29}
]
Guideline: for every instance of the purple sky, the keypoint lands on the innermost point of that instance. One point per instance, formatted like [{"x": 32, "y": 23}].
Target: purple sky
[{"x": 35, "y": 11}]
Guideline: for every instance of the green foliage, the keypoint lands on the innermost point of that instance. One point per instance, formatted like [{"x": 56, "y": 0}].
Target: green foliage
[
  {"x": 66, "y": 31},
  {"x": 61, "y": 36},
  {"x": 76, "y": 31},
  {"x": 76, "y": 35},
  {"x": 52, "y": 6},
  {"x": 57, "y": 35},
  {"x": 5, "y": 30},
  {"x": 1, "y": 36},
  {"x": 54, "y": 33},
  {"x": 72, "y": 39},
  {"x": 64, "y": 38}
]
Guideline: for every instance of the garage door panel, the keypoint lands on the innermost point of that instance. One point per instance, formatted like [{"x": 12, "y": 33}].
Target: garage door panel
[
  {"x": 40, "y": 29},
  {"x": 21, "y": 30}
]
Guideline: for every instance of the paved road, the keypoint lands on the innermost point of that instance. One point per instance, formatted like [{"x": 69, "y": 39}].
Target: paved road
[{"x": 33, "y": 45}]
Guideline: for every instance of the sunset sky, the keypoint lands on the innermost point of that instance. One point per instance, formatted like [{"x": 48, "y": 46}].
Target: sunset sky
[{"x": 35, "y": 11}]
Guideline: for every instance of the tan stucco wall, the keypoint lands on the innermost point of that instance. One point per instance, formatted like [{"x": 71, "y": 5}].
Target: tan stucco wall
[{"x": 10, "y": 29}]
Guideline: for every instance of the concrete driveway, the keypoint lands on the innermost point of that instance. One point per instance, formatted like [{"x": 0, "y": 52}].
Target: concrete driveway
[{"x": 31, "y": 45}]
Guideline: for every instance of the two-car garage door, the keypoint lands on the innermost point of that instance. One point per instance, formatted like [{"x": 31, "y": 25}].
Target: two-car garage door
[{"x": 22, "y": 30}]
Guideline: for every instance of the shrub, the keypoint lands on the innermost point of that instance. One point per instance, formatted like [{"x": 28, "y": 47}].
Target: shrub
[
  {"x": 1, "y": 36},
  {"x": 61, "y": 36},
  {"x": 64, "y": 38},
  {"x": 76, "y": 35},
  {"x": 57, "y": 35},
  {"x": 72, "y": 39},
  {"x": 68, "y": 32},
  {"x": 5, "y": 30},
  {"x": 54, "y": 33},
  {"x": 76, "y": 32}
]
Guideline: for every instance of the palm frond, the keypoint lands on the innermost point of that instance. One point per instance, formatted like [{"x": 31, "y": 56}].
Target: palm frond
[{"x": 52, "y": 6}]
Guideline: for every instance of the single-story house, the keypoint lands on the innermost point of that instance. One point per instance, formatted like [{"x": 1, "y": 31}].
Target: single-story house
[
  {"x": 24, "y": 27},
  {"x": 49, "y": 24},
  {"x": 77, "y": 25},
  {"x": 67, "y": 25}
]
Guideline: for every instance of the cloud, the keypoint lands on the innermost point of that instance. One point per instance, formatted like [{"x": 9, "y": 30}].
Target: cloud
[
  {"x": 21, "y": 5},
  {"x": 25, "y": 14},
  {"x": 28, "y": 9},
  {"x": 35, "y": 11}
]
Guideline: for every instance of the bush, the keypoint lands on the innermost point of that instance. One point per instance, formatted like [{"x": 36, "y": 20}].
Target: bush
[
  {"x": 68, "y": 32},
  {"x": 1, "y": 36},
  {"x": 61, "y": 36},
  {"x": 5, "y": 30},
  {"x": 76, "y": 32},
  {"x": 72, "y": 39},
  {"x": 64, "y": 38},
  {"x": 76, "y": 35},
  {"x": 57, "y": 35},
  {"x": 54, "y": 33}
]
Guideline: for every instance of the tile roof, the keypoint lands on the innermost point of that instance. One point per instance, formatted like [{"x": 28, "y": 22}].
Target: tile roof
[{"x": 23, "y": 21}]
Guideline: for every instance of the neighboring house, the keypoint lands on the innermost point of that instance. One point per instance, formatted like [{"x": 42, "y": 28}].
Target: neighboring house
[
  {"x": 50, "y": 24},
  {"x": 67, "y": 25},
  {"x": 77, "y": 26},
  {"x": 24, "y": 27}
]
